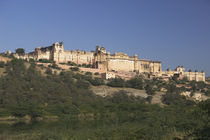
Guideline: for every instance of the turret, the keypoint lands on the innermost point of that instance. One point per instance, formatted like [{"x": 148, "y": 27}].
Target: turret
[
  {"x": 103, "y": 50},
  {"x": 58, "y": 47},
  {"x": 135, "y": 56},
  {"x": 135, "y": 62},
  {"x": 180, "y": 69}
]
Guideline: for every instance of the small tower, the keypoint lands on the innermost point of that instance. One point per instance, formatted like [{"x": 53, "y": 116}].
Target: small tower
[
  {"x": 180, "y": 69},
  {"x": 103, "y": 50},
  {"x": 136, "y": 63},
  {"x": 58, "y": 50},
  {"x": 58, "y": 47}
]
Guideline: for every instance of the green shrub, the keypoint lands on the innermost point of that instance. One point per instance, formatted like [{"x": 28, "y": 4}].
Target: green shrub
[
  {"x": 96, "y": 73},
  {"x": 48, "y": 71},
  {"x": 97, "y": 81},
  {"x": 89, "y": 66},
  {"x": 2, "y": 64},
  {"x": 207, "y": 93},
  {"x": 82, "y": 84},
  {"x": 116, "y": 82},
  {"x": 88, "y": 73},
  {"x": 175, "y": 99},
  {"x": 20, "y": 51},
  {"x": 84, "y": 65},
  {"x": 23, "y": 109},
  {"x": 72, "y": 63},
  {"x": 137, "y": 83},
  {"x": 149, "y": 99},
  {"x": 45, "y": 61},
  {"x": 55, "y": 66},
  {"x": 150, "y": 90},
  {"x": 74, "y": 68}
]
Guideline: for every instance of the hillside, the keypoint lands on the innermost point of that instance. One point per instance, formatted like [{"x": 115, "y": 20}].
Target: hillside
[{"x": 38, "y": 103}]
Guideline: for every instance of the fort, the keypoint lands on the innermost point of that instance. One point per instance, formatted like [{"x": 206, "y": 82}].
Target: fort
[{"x": 117, "y": 64}]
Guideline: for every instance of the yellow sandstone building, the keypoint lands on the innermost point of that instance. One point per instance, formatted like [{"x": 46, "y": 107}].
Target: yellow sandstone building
[{"x": 103, "y": 60}]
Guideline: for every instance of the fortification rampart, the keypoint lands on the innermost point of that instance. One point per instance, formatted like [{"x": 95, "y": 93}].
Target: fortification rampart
[
  {"x": 104, "y": 61},
  {"x": 4, "y": 59}
]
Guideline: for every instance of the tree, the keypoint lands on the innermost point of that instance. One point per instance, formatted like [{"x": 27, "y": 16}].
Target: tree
[
  {"x": 116, "y": 82},
  {"x": 150, "y": 89},
  {"x": 2, "y": 64},
  {"x": 96, "y": 81},
  {"x": 20, "y": 51},
  {"x": 48, "y": 71},
  {"x": 137, "y": 83}
]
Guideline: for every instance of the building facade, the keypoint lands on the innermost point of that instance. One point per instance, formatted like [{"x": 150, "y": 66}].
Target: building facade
[
  {"x": 181, "y": 73},
  {"x": 100, "y": 59}
]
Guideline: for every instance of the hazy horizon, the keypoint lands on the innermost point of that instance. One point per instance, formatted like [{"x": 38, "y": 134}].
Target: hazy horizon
[{"x": 173, "y": 32}]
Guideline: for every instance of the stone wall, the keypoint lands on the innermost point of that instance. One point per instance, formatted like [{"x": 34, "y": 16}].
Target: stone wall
[
  {"x": 197, "y": 76},
  {"x": 99, "y": 58},
  {"x": 120, "y": 65},
  {"x": 4, "y": 59}
]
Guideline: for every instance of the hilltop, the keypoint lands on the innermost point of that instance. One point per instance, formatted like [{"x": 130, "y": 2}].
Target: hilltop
[{"x": 84, "y": 104}]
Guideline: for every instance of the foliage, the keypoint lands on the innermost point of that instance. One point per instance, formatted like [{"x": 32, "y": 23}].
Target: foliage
[
  {"x": 21, "y": 110},
  {"x": 72, "y": 63},
  {"x": 96, "y": 73},
  {"x": 2, "y": 64},
  {"x": 175, "y": 99},
  {"x": 150, "y": 90},
  {"x": 149, "y": 99},
  {"x": 96, "y": 81},
  {"x": 74, "y": 68},
  {"x": 116, "y": 82},
  {"x": 20, "y": 51},
  {"x": 137, "y": 83},
  {"x": 207, "y": 92},
  {"x": 88, "y": 73},
  {"x": 55, "y": 66},
  {"x": 83, "y": 115},
  {"x": 46, "y": 61},
  {"x": 49, "y": 71},
  {"x": 86, "y": 65}
]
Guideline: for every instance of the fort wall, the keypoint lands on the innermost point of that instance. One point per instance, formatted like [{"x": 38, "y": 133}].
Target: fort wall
[
  {"x": 180, "y": 71},
  {"x": 4, "y": 59},
  {"x": 105, "y": 62}
]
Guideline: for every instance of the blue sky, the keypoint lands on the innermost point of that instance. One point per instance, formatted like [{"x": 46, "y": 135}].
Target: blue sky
[{"x": 176, "y": 32}]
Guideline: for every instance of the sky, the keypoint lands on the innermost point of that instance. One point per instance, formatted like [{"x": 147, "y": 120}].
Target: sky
[{"x": 176, "y": 32}]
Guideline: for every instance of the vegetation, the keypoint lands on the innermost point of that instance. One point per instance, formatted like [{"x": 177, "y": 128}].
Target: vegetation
[
  {"x": 116, "y": 82},
  {"x": 20, "y": 51},
  {"x": 87, "y": 65},
  {"x": 2, "y": 64},
  {"x": 96, "y": 73},
  {"x": 74, "y": 68},
  {"x": 80, "y": 114},
  {"x": 88, "y": 73},
  {"x": 46, "y": 61},
  {"x": 72, "y": 63},
  {"x": 54, "y": 66},
  {"x": 137, "y": 83}
]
